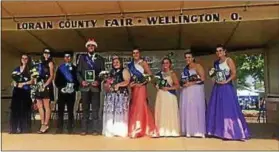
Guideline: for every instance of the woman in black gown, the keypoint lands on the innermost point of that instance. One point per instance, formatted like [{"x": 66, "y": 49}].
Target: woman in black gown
[
  {"x": 43, "y": 98},
  {"x": 20, "y": 116}
]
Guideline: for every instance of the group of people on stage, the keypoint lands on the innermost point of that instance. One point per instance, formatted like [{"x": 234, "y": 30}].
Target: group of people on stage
[{"x": 125, "y": 108}]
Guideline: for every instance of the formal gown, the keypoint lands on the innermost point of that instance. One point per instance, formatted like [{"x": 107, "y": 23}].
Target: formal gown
[
  {"x": 166, "y": 110},
  {"x": 20, "y": 116},
  {"x": 141, "y": 121},
  {"x": 224, "y": 116},
  {"x": 192, "y": 108},
  {"x": 116, "y": 110}
]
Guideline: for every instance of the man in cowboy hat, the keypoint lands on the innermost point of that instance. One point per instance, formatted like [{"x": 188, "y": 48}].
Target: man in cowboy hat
[
  {"x": 88, "y": 68},
  {"x": 67, "y": 84}
]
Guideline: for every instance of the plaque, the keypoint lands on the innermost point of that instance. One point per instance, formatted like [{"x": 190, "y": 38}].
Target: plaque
[
  {"x": 89, "y": 75},
  {"x": 220, "y": 76}
]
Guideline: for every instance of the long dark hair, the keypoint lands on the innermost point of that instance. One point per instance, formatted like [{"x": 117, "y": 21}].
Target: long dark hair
[
  {"x": 26, "y": 70},
  {"x": 50, "y": 59}
]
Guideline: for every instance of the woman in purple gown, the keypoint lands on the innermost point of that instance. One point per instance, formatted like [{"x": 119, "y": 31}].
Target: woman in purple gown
[
  {"x": 192, "y": 98},
  {"x": 224, "y": 116}
]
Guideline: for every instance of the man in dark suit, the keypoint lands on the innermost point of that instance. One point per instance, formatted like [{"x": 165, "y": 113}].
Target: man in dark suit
[
  {"x": 88, "y": 68},
  {"x": 67, "y": 84}
]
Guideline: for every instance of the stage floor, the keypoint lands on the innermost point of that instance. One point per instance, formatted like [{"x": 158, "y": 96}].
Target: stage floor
[{"x": 90, "y": 142}]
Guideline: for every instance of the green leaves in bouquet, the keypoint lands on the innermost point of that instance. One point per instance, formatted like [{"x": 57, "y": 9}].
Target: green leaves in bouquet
[
  {"x": 17, "y": 77},
  {"x": 159, "y": 82},
  {"x": 35, "y": 69},
  {"x": 212, "y": 72}
]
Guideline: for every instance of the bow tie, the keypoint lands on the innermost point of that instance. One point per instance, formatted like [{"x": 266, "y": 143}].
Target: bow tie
[{"x": 68, "y": 64}]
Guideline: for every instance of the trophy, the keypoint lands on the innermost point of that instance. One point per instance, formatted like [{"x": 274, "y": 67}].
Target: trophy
[
  {"x": 220, "y": 76},
  {"x": 69, "y": 88}
]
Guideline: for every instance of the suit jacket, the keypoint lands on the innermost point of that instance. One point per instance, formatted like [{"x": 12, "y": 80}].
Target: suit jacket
[
  {"x": 82, "y": 66},
  {"x": 60, "y": 81}
]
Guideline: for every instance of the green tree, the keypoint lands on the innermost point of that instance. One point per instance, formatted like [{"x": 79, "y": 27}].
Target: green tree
[{"x": 250, "y": 65}]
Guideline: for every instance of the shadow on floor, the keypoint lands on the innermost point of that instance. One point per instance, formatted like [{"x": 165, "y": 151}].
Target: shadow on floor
[{"x": 258, "y": 130}]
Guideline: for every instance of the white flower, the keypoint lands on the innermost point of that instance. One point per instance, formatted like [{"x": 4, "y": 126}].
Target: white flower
[
  {"x": 158, "y": 77},
  {"x": 70, "y": 68},
  {"x": 15, "y": 72},
  {"x": 212, "y": 71},
  {"x": 104, "y": 72}
]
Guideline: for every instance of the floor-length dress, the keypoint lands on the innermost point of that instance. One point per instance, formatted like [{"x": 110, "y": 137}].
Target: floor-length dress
[
  {"x": 116, "y": 111},
  {"x": 20, "y": 116},
  {"x": 166, "y": 111},
  {"x": 224, "y": 116},
  {"x": 141, "y": 121},
  {"x": 192, "y": 109}
]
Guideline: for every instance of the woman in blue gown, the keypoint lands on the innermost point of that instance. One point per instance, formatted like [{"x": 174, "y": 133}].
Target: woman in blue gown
[{"x": 224, "y": 116}]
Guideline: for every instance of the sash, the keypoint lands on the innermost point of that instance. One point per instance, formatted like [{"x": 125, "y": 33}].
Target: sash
[
  {"x": 187, "y": 74},
  {"x": 41, "y": 70},
  {"x": 161, "y": 77},
  {"x": 89, "y": 61},
  {"x": 134, "y": 71},
  {"x": 66, "y": 72},
  {"x": 216, "y": 64}
]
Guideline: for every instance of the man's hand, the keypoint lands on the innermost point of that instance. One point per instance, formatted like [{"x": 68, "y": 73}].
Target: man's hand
[
  {"x": 84, "y": 83},
  {"x": 95, "y": 83}
]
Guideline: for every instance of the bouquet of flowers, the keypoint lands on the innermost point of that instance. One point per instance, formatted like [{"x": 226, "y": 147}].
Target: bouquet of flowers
[
  {"x": 191, "y": 78},
  {"x": 158, "y": 81},
  {"x": 145, "y": 78},
  {"x": 194, "y": 77},
  {"x": 183, "y": 80},
  {"x": 109, "y": 81},
  {"x": 212, "y": 72},
  {"x": 35, "y": 69},
  {"x": 104, "y": 75},
  {"x": 17, "y": 77},
  {"x": 38, "y": 85}
]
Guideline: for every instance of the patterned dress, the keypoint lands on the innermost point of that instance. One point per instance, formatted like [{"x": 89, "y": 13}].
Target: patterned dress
[{"x": 116, "y": 109}]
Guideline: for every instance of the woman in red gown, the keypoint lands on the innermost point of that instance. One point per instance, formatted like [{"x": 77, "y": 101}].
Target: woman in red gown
[{"x": 141, "y": 121}]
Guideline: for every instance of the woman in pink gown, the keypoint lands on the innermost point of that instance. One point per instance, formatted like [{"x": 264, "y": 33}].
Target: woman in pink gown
[{"x": 141, "y": 121}]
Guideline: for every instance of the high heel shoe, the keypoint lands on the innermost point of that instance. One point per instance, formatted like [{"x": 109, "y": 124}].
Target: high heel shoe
[
  {"x": 44, "y": 129},
  {"x": 41, "y": 129}
]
